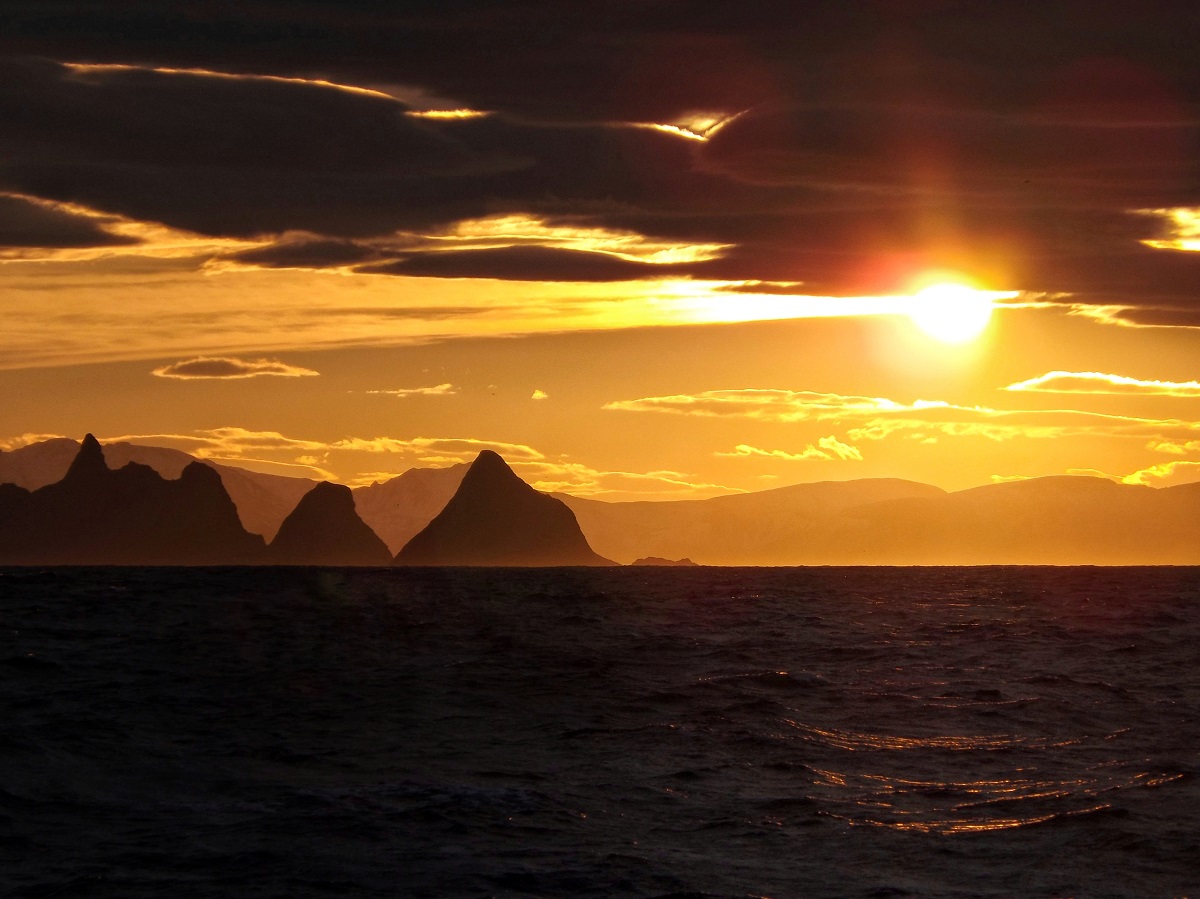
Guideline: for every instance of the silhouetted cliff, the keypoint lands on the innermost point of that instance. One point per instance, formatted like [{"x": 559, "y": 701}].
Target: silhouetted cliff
[
  {"x": 13, "y": 500},
  {"x": 324, "y": 529},
  {"x": 495, "y": 518},
  {"x": 131, "y": 516}
]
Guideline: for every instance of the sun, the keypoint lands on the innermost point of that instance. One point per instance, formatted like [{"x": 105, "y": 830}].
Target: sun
[{"x": 952, "y": 313}]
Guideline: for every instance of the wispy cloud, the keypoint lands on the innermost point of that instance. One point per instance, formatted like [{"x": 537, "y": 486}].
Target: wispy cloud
[
  {"x": 12, "y": 443},
  {"x": 229, "y": 367},
  {"x": 438, "y": 390},
  {"x": 243, "y": 448},
  {"x": 103, "y": 69},
  {"x": 226, "y": 441},
  {"x": 878, "y": 418},
  {"x": 769, "y": 405},
  {"x": 1099, "y": 383},
  {"x": 1181, "y": 470},
  {"x": 577, "y": 479},
  {"x": 1174, "y": 447},
  {"x": 827, "y": 449},
  {"x": 278, "y": 453},
  {"x": 539, "y": 395},
  {"x": 438, "y": 450},
  {"x": 112, "y": 236}
]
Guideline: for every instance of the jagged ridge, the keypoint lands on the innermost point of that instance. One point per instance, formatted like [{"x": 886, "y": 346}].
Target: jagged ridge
[{"x": 130, "y": 516}]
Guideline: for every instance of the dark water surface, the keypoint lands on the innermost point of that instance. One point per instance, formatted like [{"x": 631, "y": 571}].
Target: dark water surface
[{"x": 731, "y": 732}]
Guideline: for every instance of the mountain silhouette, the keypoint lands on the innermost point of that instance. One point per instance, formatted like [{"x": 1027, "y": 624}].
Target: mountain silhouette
[
  {"x": 495, "y": 518},
  {"x": 262, "y": 500},
  {"x": 324, "y": 529},
  {"x": 130, "y": 516}
]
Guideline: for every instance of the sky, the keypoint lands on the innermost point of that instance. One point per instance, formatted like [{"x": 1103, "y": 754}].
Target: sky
[{"x": 645, "y": 249}]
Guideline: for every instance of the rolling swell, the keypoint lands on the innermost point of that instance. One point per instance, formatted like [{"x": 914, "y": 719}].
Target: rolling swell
[{"x": 789, "y": 732}]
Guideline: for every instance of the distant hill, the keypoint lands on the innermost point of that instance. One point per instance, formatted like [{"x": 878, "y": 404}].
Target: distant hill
[
  {"x": 129, "y": 516},
  {"x": 399, "y": 508},
  {"x": 1042, "y": 521},
  {"x": 495, "y": 518},
  {"x": 324, "y": 529},
  {"x": 782, "y": 526}
]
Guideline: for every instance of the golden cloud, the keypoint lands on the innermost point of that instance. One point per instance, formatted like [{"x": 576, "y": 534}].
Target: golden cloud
[
  {"x": 1163, "y": 471},
  {"x": 101, "y": 69},
  {"x": 1183, "y": 226},
  {"x": 769, "y": 405},
  {"x": 12, "y": 443},
  {"x": 401, "y": 392},
  {"x": 503, "y": 231},
  {"x": 228, "y": 367},
  {"x": 1174, "y": 447},
  {"x": 919, "y": 420},
  {"x": 439, "y": 449},
  {"x": 133, "y": 238},
  {"x": 578, "y": 479},
  {"x": 826, "y": 448},
  {"x": 230, "y": 441},
  {"x": 1099, "y": 383}
]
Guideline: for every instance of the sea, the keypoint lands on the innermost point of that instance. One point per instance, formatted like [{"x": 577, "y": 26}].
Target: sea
[{"x": 634, "y": 732}]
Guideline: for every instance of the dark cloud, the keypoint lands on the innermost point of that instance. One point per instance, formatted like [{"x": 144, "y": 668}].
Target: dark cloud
[
  {"x": 24, "y": 223},
  {"x": 238, "y": 157},
  {"x": 525, "y": 264},
  {"x": 307, "y": 253},
  {"x": 1073, "y": 151},
  {"x": 1012, "y": 142}
]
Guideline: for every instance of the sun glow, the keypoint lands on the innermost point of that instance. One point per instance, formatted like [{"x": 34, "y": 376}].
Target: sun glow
[{"x": 953, "y": 313}]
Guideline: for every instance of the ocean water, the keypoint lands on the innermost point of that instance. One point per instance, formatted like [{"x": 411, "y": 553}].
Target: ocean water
[{"x": 988, "y": 732}]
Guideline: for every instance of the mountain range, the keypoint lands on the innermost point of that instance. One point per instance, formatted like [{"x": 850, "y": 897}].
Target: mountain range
[
  {"x": 129, "y": 516},
  {"x": 133, "y": 515},
  {"x": 1052, "y": 520}
]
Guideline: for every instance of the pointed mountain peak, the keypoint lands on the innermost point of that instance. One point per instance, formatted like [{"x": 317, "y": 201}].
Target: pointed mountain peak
[
  {"x": 89, "y": 462},
  {"x": 495, "y": 518},
  {"x": 490, "y": 461},
  {"x": 489, "y": 470}
]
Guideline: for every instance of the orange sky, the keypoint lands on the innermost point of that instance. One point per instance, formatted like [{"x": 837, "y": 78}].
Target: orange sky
[{"x": 335, "y": 268}]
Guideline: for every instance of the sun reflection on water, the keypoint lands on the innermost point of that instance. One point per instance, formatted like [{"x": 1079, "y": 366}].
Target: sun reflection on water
[{"x": 1024, "y": 798}]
